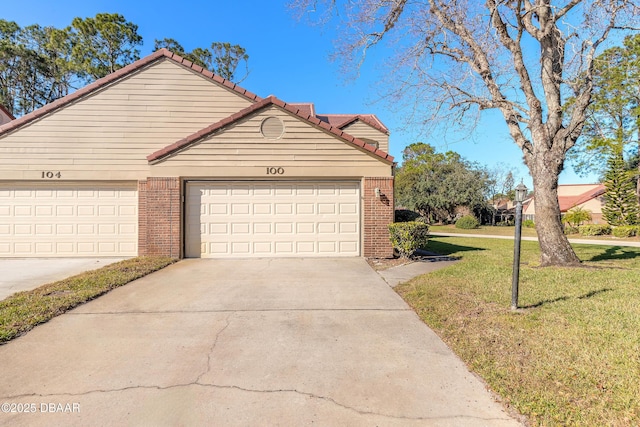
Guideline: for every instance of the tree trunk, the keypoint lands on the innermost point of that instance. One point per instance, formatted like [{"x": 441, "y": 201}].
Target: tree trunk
[{"x": 554, "y": 245}]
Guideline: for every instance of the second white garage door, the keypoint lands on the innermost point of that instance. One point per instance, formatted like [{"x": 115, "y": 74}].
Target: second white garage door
[
  {"x": 265, "y": 219},
  {"x": 68, "y": 220}
]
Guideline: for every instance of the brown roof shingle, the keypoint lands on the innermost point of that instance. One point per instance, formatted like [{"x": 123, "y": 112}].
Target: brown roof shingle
[
  {"x": 342, "y": 120},
  {"x": 568, "y": 202}
]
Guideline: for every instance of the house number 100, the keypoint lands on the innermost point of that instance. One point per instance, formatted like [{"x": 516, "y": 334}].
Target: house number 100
[{"x": 275, "y": 171}]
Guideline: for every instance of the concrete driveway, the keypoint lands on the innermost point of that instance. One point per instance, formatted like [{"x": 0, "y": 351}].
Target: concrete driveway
[
  {"x": 23, "y": 274},
  {"x": 243, "y": 343}
]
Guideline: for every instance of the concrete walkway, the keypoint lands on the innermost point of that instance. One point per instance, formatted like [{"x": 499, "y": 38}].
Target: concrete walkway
[
  {"x": 609, "y": 242},
  {"x": 288, "y": 342},
  {"x": 427, "y": 263}
]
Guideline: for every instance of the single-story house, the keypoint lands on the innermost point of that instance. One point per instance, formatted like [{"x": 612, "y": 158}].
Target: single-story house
[
  {"x": 163, "y": 157},
  {"x": 586, "y": 196}
]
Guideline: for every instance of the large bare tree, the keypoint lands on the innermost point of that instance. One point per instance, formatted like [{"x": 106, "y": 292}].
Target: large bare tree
[{"x": 525, "y": 58}]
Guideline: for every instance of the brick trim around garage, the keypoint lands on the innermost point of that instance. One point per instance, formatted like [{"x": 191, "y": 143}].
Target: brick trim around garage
[
  {"x": 378, "y": 214},
  {"x": 159, "y": 217}
]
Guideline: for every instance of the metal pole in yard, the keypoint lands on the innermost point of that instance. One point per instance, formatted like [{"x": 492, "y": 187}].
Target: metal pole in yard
[{"x": 521, "y": 192}]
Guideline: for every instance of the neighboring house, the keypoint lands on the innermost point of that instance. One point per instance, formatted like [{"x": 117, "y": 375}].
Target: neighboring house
[
  {"x": 5, "y": 116},
  {"x": 505, "y": 210},
  {"x": 586, "y": 196},
  {"x": 165, "y": 158}
]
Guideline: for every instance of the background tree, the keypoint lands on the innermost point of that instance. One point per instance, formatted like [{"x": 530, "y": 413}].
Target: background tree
[
  {"x": 222, "y": 58},
  {"x": 35, "y": 66},
  {"x": 456, "y": 57},
  {"x": 621, "y": 206},
  {"x": 613, "y": 118},
  {"x": 41, "y": 64},
  {"x": 500, "y": 186},
  {"x": 227, "y": 58},
  {"x": 103, "y": 44},
  {"x": 437, "y": 184}
]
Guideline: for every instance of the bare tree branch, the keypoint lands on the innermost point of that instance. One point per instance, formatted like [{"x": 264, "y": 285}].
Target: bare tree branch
[{"x": 457, "y": 58}]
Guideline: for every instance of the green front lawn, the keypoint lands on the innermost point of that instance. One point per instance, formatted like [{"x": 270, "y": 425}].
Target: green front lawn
[
  {"x": 22, "y": 311},
  {"x": 510, "y": 231},
  {"x": 570, "y": 356},
  {"x": 483, "y": 229}
]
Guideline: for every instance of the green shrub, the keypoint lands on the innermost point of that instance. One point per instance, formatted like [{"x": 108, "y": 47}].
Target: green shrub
[
  {"x": 570, "y": 229},
  {"x": 467, "y": 222},
  {"x": 625, "y": 231},
  {"x": 407, "y": 237},
  {"x": 507, "y": 223},
  {"x": 577, "y": 216},
  {"x": 528, "y": 223},
  {"x": 595, "y": 230}
]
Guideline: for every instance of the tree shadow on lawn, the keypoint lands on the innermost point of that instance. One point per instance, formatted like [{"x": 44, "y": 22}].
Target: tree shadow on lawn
[
  {"x": 441, "y": 247},
  {"x": 564, "y": 298},
  {"x": 616, "y": 252}
]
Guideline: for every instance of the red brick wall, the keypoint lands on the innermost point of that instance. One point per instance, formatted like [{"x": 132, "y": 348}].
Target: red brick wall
[
  {"x": 378, "y": 214},
  {"x": 159, "y": 219}
]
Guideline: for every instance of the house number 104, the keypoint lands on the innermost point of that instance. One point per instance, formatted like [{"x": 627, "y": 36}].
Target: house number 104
[
  {"x": 50, "y": 174},
  {"x": 275, "y": 171}
]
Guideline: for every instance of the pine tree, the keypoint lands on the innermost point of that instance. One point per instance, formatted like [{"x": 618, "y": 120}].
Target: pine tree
[{"x": 621, "y": 206}]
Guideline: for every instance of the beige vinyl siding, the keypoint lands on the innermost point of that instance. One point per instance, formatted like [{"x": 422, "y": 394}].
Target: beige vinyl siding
[
  {"x": 108, "y": 134},
  {"x": 241, "y": 150},
  {"x": 360, "y": 129},
  {"x": 593, "y": 205}
]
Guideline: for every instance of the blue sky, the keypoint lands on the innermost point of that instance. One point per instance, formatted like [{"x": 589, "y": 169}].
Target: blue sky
[{"x": 287, "y": 58}]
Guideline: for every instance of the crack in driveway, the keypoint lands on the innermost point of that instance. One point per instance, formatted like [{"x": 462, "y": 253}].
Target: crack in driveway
[
  {"x": 235, "y": 310},
  {"x": 260, "y": 391},
  {"x": 213, "y": 347}
]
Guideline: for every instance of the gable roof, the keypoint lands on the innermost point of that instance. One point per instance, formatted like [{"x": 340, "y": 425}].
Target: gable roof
[
  {"x": 117, "y": 75},
  {"x": 343, "y": 120},
  {"x": 568, "y": 202},
  {"x": 271, "y": 100}
]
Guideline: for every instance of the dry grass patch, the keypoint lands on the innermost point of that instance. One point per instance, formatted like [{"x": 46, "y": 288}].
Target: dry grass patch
[
  {"x": 570, "y": 356},
  {"x": 23, "y": 311}
]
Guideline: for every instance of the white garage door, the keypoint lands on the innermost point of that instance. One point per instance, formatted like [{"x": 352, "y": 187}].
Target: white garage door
[
  {"x": 68, "y": 220},
  {"x": 265, "y": 219}
]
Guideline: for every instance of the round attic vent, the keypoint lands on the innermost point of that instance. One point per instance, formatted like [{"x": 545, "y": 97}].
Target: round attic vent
[{"x": 272, "y": 127}]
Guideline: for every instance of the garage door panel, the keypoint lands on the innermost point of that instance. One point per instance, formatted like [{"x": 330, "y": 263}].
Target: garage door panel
[
  {"x": 45, "y": 249},
  {"x": 305, "y": 227},
  {"x": 347, "y": 247},
  {"x": 68, "y": 220},
  {"x": 231, "y": 219},
  {"x": 262, "y": 228},
  {"x": 305, "y": 247},
  {"x": 262, "y": 209},
  {"x": 218, "y": 248},
  {"x": 44, "y": 229},
  {"x": 327, "y": 247},
  {"x": 262, "y": 248},
  {"x": 348, "y": 228}
]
